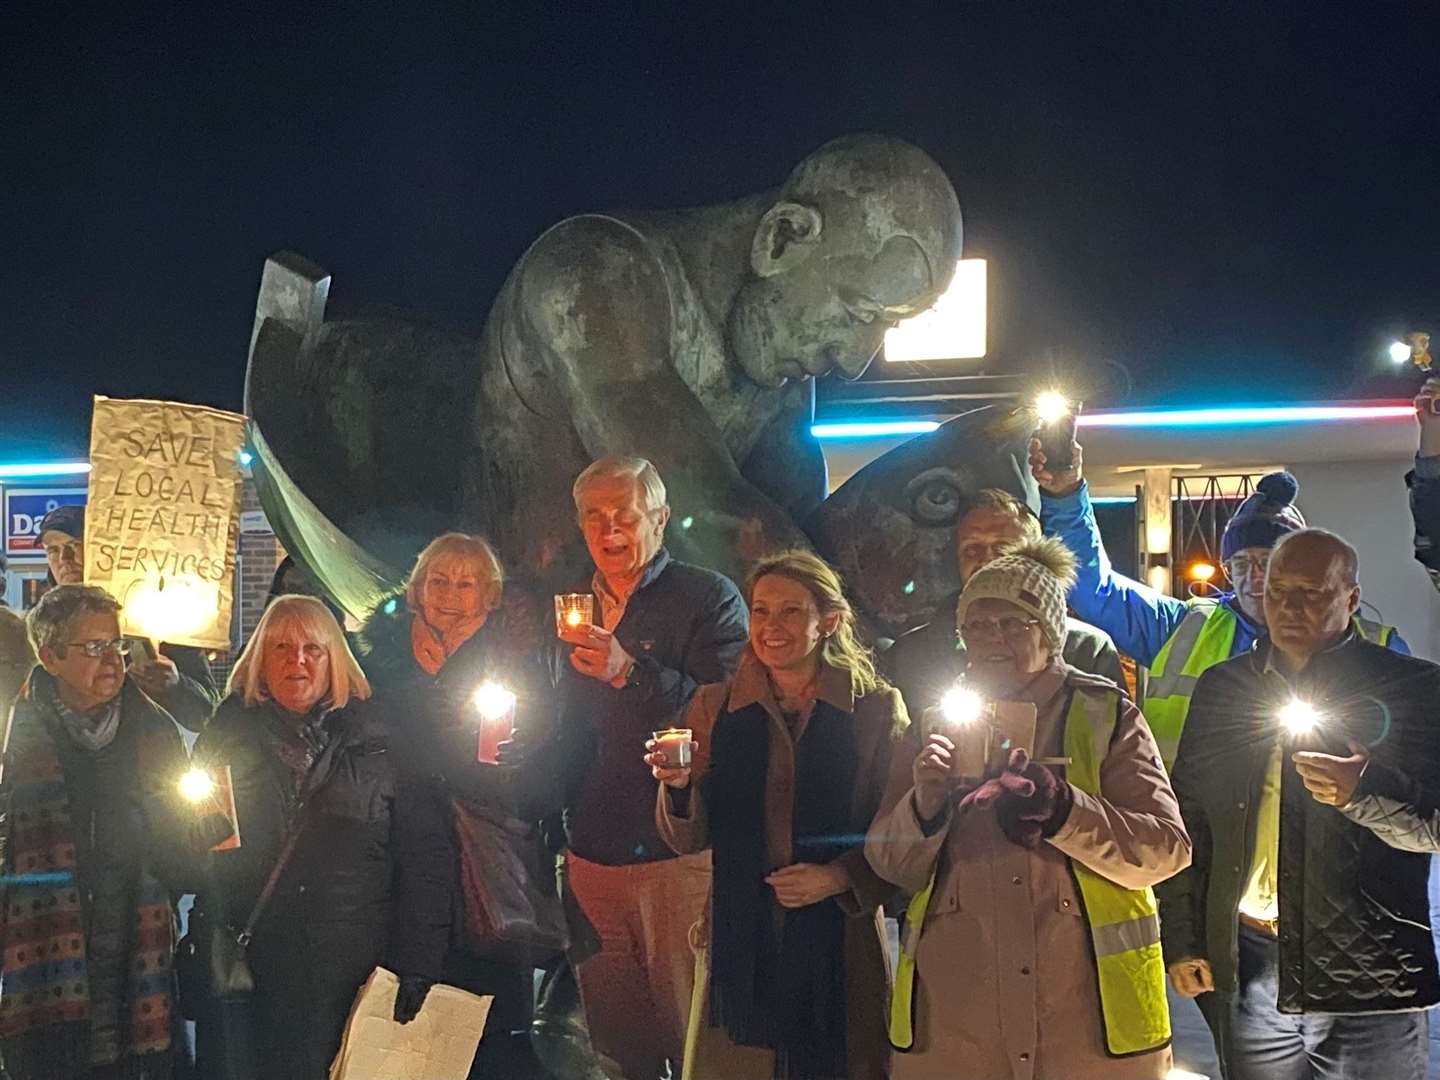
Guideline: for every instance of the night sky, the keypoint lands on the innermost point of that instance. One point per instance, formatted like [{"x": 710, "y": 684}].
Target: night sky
[{"x": 1235, "y": 204}]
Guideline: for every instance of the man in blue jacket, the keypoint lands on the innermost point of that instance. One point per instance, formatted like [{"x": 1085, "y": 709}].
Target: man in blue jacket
[{"x": 1178, "y": 640}]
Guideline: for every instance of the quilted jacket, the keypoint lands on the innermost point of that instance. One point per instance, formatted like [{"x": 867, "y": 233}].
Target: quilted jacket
[{"x": 1354, "y": 917}]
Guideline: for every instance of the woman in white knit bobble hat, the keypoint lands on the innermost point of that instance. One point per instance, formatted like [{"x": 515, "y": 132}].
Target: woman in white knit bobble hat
[{"x": 1032, "y": 948}]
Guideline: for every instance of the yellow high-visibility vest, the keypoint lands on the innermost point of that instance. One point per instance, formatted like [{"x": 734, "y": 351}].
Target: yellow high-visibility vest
[
  {"x": 1204, "y": 638},
  {"x": 1124, "y": 924}
]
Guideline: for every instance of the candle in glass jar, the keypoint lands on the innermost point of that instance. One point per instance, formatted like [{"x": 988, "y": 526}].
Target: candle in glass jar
[
  {"x": 675, "y": 744},
  {"x": 573, "y": 610}
]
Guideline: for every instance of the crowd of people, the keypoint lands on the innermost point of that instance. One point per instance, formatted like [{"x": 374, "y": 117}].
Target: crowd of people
[{"x": 733, "y": 787}]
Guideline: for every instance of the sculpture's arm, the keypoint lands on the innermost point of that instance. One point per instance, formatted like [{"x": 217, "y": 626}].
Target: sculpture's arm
[
  {"x": 786, "y": 462},
  {"x": 595, "y": 301}
]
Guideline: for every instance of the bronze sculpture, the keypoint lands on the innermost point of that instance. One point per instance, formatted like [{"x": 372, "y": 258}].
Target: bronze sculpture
[{"x": 691, "y": 337}]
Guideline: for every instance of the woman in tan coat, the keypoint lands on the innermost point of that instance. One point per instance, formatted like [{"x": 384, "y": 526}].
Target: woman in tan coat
[
  {"x": 792, "y": 759},
  {"x": 1035, "y": 955}
]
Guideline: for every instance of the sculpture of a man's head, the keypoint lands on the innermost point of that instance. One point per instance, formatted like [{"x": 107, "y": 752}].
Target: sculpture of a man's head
[{"x": 866, "y": 231}]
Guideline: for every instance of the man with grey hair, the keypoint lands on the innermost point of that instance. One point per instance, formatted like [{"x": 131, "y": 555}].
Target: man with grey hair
[
  {"x": 662, "y": 629},
  {"x": 89, "y": 799},
  {"x": 1303, "y": 932}
]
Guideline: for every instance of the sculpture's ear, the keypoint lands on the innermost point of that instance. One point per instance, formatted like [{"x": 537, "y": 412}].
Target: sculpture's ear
[{"x": 786, "y": 236}]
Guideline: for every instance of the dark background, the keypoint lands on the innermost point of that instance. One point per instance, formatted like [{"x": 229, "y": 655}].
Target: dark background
[{"x": 1236, "y": 202}]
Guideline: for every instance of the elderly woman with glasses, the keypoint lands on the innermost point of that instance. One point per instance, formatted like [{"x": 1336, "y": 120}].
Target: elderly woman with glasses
[
  {"x": 445, "y": 658},
  {"x": 369, "y": 878},
  {"x": 794, "y": 756},
  {"x": 1032, "y": 946},
  {"x": 92, "y": 834}
]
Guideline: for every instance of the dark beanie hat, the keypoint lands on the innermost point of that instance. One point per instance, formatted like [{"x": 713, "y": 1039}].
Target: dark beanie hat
[
  {"x": 1265, "y": 516},
  {"x": 69, "y": 520}
]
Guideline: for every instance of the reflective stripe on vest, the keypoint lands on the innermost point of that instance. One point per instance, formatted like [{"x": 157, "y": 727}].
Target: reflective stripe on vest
[
  {"x": 1124, "y": 924},
  {"x": 1204, "y": 638},
  {"x": 1373, "y": 631}
]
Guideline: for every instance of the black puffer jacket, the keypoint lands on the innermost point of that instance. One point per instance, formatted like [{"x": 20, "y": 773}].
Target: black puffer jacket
[
  {"x": 433, "y": 717},
  {"x": 370, "y": 882},
  {"x": 1354, "y": 914}
]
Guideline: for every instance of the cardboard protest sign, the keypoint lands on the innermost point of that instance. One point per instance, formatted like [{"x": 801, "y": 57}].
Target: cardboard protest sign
[{"x": 164, "y": 517}]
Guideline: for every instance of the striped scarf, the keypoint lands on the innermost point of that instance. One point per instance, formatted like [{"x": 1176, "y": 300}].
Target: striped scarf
[{"x": 56, "y": 1020}]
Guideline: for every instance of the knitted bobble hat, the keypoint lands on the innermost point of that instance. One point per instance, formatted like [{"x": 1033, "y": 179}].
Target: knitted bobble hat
[
  {"x": 1034, "y": 575},
  {"x": 1265, "y": 516}
]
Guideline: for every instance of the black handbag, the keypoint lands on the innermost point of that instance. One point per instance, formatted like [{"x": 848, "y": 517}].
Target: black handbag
[
  {"x": 211, "y": 962},
  {"x": 510, "y": 915}
]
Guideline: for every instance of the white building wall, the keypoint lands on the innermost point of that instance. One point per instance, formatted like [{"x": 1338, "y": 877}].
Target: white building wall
[{"x": 1365, "y": 502}]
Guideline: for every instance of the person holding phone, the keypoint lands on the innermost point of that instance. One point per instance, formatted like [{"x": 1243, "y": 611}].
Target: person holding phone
[
  {"x": 1300, "y": 929},
  {"x": 1424, "y": 480},
  {"x": 1032, "y": 946}
]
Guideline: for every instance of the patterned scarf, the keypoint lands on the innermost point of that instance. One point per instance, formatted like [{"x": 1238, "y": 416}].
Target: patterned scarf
[
  {"x": 53, "y": 1021},
  {"x": 432, "y": 650}
]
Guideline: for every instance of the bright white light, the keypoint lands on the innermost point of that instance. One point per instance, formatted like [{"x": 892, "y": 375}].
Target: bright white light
[
  {"x": 866, "y": 429},
  {"x": 46, "y": 468},
  {"x": 196, "y": 786},
  {"x": 1051, "y": 406},
  {"x": 954, "y": 329},
  {"x": 1185, "y": 1074},
  {"x": 961, "y": 706},
  {"x": 493, "y": 700},
  {"x": 1399, "y": 352},
  {"x": 1298, "y": 717}
]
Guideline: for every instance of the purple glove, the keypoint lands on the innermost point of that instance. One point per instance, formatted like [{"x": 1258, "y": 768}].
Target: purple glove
[{"x": 1030, "y": 802}]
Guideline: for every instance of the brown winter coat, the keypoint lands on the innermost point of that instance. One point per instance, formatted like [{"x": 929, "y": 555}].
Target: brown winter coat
[
  {"x": 1006, "y": 986},
  {"x": 880, "y": 721}
]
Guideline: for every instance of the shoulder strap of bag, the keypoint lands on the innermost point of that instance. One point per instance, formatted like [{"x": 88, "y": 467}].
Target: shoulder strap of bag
[{"x": 320, "y": 773}]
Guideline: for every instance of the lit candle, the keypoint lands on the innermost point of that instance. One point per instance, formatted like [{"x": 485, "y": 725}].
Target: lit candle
[
  {"x": 573, "y": 610},
  {"x": 675, "y": 745}
]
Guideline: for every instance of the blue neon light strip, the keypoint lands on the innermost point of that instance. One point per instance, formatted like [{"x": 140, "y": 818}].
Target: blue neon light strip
[
  {"x": 45, "y": 468},
  {"x": 1227, "y": 416},
  {"x": 1245, "y": 416},
  {"x": 873, "y": 429}
]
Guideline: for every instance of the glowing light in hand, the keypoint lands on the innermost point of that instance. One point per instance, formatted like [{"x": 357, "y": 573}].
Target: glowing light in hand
[
  {"x": 1052, "y": 406},
  {"x": 1399, "y": 352},
  {"x": 493, "y": 700},
  {"x": 961, "y": 706},
  {"x": 1298, "y": 717},
  {"x": 196, "y": 786}
]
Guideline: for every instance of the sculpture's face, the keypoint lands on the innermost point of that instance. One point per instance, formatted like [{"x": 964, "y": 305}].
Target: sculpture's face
[{"x": 831, "y": 310}]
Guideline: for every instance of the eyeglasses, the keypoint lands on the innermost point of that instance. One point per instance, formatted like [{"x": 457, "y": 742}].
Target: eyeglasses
[
  {"x": 97, "y": 649},
  {"x": 1010, "y": 626},
  {"x": 1242, "y": 566}
]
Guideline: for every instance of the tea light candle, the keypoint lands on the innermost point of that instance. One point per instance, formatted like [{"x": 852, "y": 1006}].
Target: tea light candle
[
  {"x": 675, "y": 744},
  {"x": 573, "y": 610}
]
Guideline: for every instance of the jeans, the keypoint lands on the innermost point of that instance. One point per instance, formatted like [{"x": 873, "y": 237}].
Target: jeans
[{"x": 1258, "y": 1042}]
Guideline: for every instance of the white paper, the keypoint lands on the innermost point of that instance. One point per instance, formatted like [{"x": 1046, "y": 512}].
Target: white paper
[{"x": 439, "y": 1044}]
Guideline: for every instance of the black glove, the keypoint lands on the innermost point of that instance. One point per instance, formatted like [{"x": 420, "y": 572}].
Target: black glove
[
  {"x": 207, "y": 831},
  {"x": 513, "y": 752},
  {"x": 410, "y": 998}
]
